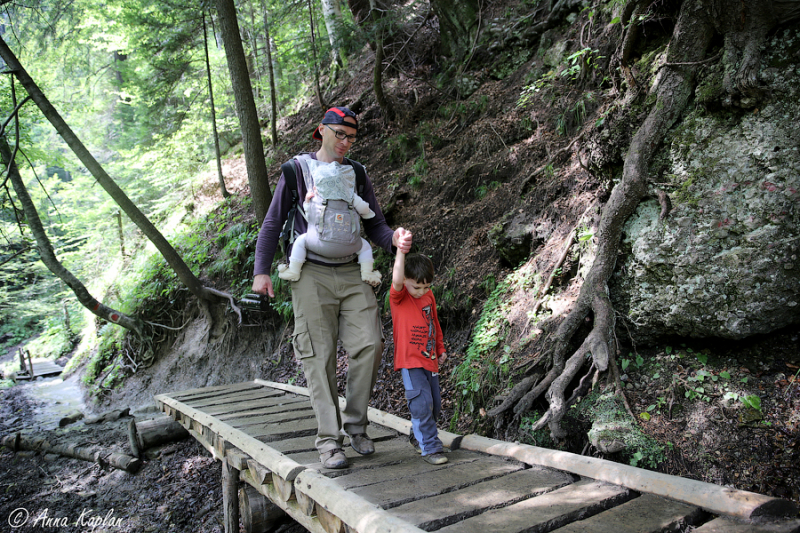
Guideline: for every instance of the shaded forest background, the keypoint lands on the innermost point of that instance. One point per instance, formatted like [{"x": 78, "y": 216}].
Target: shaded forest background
[{"x": 462, "y": 129}]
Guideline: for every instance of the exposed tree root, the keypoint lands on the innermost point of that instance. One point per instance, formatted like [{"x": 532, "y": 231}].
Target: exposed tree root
[{"x": 691, "y": 38}]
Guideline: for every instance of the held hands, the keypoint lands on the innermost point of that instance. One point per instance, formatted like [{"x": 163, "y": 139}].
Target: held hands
[{"x": 402, "y": 240}]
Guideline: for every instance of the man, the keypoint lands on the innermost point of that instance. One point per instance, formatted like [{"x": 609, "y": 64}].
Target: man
[{"x": 331, "y": 302}]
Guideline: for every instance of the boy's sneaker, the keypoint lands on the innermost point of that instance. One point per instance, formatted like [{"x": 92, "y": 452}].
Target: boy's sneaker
[
  {"x": 334, "y": 458},
  {"x": 437, "y": 458},
  {"x": 362, "y": 444},
  {"x": 413, "y": 440}
]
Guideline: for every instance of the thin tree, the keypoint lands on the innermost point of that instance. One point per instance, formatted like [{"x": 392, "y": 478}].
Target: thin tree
[
  {"x": 273, "y": 96},
  {"x": 223, "y": 189},
  {"x": 162, "y": 245},
  {"x": 332, "y": 14},
  {"x": 257, "y": 176},
  {"x": 377, "y": 72},
  {"x": 47, "y": 254},
  {"x": 317, "y": 88}
]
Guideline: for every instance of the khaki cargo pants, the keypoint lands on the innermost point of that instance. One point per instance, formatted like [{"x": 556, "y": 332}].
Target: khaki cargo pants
[{"x": 333, "y": 303}]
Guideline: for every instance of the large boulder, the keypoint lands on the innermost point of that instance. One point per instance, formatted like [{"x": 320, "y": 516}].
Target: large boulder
[{"x": 725, "y": 262}]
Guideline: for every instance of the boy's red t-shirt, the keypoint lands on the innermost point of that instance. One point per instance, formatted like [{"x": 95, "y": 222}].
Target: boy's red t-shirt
[{"x": 416, "y": 330}]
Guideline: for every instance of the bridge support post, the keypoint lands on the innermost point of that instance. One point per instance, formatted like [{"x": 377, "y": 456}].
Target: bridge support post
[{"x": 230, "y": 496}]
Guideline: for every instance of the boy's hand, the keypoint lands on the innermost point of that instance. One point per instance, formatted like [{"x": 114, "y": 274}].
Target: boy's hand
[
  {"x": 402, "y": 240},
  {"x": 442, "y": 358}
]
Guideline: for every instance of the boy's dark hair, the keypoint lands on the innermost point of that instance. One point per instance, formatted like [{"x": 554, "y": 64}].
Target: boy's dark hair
[{"x": 419, "y": 268}]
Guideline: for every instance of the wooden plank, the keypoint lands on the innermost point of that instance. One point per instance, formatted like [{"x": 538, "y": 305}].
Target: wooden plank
[
  {"x": 260, "y": 474},
  {"x": 284, "y": 403},
  {"x": 357, "y": 513},
  {"x": 233, "y": 397},
  {"x": 234, "y": 408},
  {"x": 546, "y": 512},
  {"x": 714, "y": 498},
  {"x": 273, "y": 460},
  {"x": 283, "y": 487},
  {"x": 271, "y": 419},
  {"x": 394, "y": 466},
  {"x": 237, "y": 459},
  {"x": 728, "y": 525},
  {"x": 295, "y": 444},
  {"x": 331, "y": 522},
  {"x": 434, "y": 513},
  {"x": 386, "y": 453},
  {"x": 305, "y": 502},
  {"x": 645, "y": 514},
  {"x": 397, "y": 491},
  {"x": 299, "y": 428},
  {"x": 215, "y": 390}
]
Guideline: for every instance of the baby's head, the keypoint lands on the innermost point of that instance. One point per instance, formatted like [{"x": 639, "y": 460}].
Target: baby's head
[{"x": 418, "y": 274}]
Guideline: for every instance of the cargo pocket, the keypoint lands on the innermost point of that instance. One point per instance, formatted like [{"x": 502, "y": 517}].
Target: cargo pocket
[
  {"x": 416, "y": 404},
  {"x": 301, "y": 340}
]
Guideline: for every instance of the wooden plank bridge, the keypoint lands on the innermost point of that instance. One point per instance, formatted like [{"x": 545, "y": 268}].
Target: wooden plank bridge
[{"x": 263, "y": 433}]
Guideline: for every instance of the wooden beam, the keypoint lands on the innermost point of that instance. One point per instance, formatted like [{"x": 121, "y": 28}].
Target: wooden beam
[
  {"x": 713, "y": 498},
  {"x": 230, "y": 497}
]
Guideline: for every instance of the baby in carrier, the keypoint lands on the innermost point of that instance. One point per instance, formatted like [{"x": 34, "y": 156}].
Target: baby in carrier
[{"x": 333, "y": 211}]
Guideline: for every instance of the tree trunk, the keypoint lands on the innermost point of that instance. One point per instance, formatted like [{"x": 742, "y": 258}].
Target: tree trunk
[
  {"x": 458, "y": 24},
  {"x": 360, "y": 10},
  {"x": 273, "y": 95},
  {"x": 162, "y": 245},
  {"x": 333, "y": 22},
  {"x": 48, "y": 256},
  {"x": 377, "y": 72},
  {"x": 257, "y": 176},
  {"x": 317, "y": 88},
  {"x": 222, "y": 188}
]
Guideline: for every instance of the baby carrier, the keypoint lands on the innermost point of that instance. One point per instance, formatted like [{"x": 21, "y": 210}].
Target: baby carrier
[{"x": 334, "y": 226}]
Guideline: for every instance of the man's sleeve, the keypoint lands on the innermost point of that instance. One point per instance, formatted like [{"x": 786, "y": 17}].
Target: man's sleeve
[
  {"x": 376, "y": 228},
  {"x": 270, "y": 231}
]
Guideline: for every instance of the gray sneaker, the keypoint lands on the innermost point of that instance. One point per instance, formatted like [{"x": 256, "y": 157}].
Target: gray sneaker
[
  {"x": 362, "y": 444},
  {"x": 437, "y": 458},
  {"x": 334, "y": 458}
]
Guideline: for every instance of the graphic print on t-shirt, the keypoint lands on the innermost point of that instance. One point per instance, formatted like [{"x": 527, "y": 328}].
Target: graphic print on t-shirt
[{"x": 424, "y": 337}]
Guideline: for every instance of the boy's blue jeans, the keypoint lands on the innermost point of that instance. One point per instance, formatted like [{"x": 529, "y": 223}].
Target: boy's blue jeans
[{"x": 424, "y": 403}]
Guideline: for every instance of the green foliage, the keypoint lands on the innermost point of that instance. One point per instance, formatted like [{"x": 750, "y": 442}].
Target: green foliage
[
  {"x": 483, "y": 367},
  {"x": 540, "y": 437},
  {"x": 482, "y": 190},
  {"x": 54, "y": 340}
]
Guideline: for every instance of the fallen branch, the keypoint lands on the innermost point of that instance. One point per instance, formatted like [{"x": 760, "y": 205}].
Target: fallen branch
[{"x": 121, "y": 461}]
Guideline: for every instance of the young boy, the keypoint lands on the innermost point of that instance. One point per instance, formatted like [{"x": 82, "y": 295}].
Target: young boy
[{"x": 418, "y": 348}]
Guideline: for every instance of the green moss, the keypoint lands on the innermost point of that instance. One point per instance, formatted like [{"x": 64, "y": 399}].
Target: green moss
[
  {"x": 612, "y": 422},
  {"x": 684, "y": 194}
]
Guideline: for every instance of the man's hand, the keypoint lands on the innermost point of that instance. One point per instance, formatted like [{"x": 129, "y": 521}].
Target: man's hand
[
  {"x": 402, "y": 240},
  {"x": 262, "y": 284}
]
